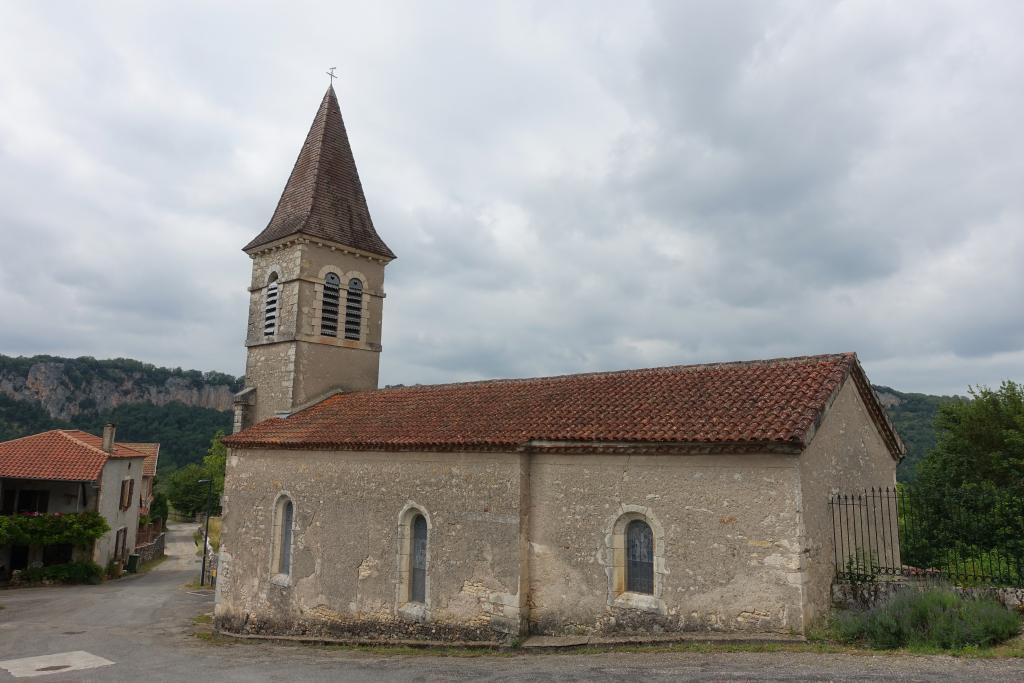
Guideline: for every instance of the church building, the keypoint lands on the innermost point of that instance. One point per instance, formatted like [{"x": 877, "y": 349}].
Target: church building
[{"x": 661, "y": 500}]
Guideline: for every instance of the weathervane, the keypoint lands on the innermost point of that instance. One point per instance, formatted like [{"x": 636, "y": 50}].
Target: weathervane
[{"x": 330, "y": 72}]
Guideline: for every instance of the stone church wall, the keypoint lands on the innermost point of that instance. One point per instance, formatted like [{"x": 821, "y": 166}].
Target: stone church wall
[
  {"x": 847, "y": 454},
  {"x": 742, "y": 542},
  {"x": 727, "y": 554},
  {"x": 345, "y": 578}
]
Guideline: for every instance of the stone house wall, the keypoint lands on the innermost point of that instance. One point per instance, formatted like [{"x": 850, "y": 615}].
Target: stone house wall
[{"x": 114, "y": 471}]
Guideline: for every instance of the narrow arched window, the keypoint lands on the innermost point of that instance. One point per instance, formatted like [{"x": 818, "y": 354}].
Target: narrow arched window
[
  {"x": 284, "y": 538},
  {"x": 270, "y": 307},
  {"x": 418, "y": 560},
  {"x": 354, "y": 309},
  {"x": 329, "y": 306},
  {"x": 639, "y": 557}
]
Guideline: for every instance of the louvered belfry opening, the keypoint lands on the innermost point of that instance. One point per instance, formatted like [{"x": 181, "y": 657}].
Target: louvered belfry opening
[
  {"x": 418, "y": 560},
  {"x": 270, "y": 308},
  {"x": 639, "y": 557},
  {"x": 330, "y": 306},
  {"x": 354, "y": 309}
]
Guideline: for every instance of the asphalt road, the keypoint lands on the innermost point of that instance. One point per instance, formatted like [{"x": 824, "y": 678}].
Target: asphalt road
[{"x": 143, "y": 626}]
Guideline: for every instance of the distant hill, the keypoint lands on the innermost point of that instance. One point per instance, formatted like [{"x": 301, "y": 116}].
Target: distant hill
[
  {"x": 914, "y": 418},
  {"x": 181, "y": 409}
]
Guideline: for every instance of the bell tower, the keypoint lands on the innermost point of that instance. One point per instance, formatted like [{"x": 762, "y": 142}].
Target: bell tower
[{"x": 317, "y": 291}]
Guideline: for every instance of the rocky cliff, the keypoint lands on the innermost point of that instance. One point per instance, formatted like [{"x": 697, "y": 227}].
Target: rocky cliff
[{"x": 68, "y": 387}]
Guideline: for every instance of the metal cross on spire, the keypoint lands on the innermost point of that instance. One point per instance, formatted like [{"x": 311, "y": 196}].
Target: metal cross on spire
[{"x": 330, "y": 72}]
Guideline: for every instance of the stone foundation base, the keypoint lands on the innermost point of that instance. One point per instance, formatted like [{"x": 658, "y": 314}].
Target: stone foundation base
[{"x": 359, "y": 630}]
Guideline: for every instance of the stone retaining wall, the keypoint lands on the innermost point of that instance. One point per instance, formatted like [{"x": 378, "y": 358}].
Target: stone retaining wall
[
  {"x": 867, "y": 595},
  {"x": 151, "y": 551}
]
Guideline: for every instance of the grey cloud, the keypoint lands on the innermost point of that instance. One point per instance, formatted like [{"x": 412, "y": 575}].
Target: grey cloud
[{"x": 569, "y": 187}]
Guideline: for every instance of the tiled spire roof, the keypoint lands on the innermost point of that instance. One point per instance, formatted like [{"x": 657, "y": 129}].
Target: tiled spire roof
[
  {"x": 727, "y": 406},
  {"x": 323, "y": 197}
]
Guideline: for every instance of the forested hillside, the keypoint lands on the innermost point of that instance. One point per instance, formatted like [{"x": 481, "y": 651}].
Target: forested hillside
[
  {"x": 914, "y": 418},
  {"x": 181, "y": 409}
]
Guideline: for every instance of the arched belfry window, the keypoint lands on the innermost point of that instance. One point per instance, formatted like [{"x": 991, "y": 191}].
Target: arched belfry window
[
  {"x": 270, "y": 307},
  {"x": 418, "y": 560},
  {"x": 354, "y": 309},
  {"x": 284, "y": 520},
  {"x": 330, "y": 305},
  {"x": 639, "y": 557}
]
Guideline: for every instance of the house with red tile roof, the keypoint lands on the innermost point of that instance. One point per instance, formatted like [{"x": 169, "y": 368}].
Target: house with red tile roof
[
  {"x": 152, "y": 453},
  {"x": 649, "y": 501},
  {"x": 66, "y": 471}
]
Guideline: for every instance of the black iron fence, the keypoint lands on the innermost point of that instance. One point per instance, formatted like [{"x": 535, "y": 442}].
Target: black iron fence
[{"x": 968, "y": 538}]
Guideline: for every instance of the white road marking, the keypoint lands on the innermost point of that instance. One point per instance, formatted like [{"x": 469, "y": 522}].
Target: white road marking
[{"x": 52, "y": 664}]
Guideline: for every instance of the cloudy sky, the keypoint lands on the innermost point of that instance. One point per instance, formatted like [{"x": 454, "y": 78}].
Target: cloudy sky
[{"x": 569, "y": 186}]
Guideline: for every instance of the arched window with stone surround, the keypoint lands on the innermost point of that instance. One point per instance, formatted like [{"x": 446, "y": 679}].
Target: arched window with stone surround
[
  {"x": 284, "y": 518},
  {"x": 639, "y": 557},
  {"x": 413, "y": 580},
  {"x": 270, "y": 306},
  {"x": 634, "y": 553},
  {"x": 354, "y": 309},
  {"x": 330, "y": 305},
  {"x": 418, "y": 560}
]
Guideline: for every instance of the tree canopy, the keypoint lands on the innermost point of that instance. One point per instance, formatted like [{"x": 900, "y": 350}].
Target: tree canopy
[
  {"x": 185, "y": 492},
  {"x": 979, "y": 443}
]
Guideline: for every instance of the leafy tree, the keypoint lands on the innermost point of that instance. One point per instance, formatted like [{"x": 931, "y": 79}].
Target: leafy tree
[
  {"x": 158, "y": 508},
  {"x": 979, "y": 443},
  {"x": 185, "y": 492},
  {"x": 970, "y": 487}
]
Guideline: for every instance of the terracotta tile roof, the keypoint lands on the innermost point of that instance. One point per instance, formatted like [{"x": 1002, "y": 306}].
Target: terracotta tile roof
[
  {"x": 323, "y": 196},
  {"x": 152, "y": 453},
  {"x": 774, "y": 402},
  {"x": 66, "y": 454}
]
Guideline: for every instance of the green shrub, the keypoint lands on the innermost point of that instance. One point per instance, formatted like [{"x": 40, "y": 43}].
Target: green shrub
[
  {"x": 158, "y": 508},
  {"x": 76, "y": 528},
  {"x": 72, "y": 572},
  {"x": 936, "y": 618}
]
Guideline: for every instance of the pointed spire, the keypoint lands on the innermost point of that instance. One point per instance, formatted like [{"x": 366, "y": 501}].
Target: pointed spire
[{"x": 323, "y": 197}]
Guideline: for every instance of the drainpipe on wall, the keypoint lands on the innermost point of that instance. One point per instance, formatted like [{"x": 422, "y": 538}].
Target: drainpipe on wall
[{"x": 109, "y": 430}]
